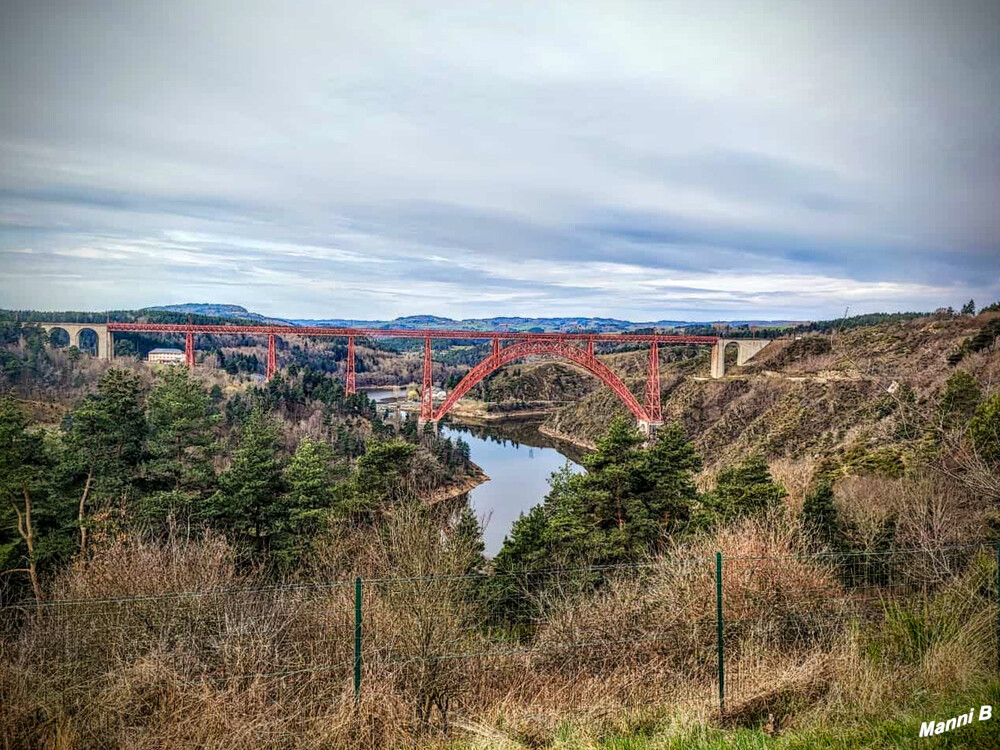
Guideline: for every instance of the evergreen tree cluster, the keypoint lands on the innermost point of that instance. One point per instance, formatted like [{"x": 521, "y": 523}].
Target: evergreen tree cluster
[
  {"x": 629, "y": 502},
  {"x": 983, "y": 339},
  {"x": 176, "y": 454},
  {"x": 855, "y": 321}
]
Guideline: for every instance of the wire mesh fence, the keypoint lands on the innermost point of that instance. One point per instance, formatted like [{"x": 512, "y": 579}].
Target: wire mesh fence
[
  {"x": 212, "y": 635},
  {"x": 789, "y": 609},
  {"x": 701, "y": 631}
]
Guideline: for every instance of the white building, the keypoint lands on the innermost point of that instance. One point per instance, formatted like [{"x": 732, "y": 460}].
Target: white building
[{"x": 166, "y": 356}]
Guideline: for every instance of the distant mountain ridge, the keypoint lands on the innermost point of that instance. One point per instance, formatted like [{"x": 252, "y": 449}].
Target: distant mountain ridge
[
  {"x": 222, "y": 311},
  {"x": 513, "y": 323},
  {"x": 562, "y": 325}
]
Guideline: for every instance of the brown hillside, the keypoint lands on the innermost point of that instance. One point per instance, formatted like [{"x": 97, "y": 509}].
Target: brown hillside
[{"x": 801, "y": 398}]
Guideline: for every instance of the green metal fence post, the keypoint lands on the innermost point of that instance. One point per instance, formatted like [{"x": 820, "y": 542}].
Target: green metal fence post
[
  {"x": 718, "y": 625},
  {"x": 357, "y": 638}
]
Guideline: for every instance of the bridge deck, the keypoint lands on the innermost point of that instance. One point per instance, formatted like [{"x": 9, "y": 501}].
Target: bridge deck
[{"x": 405, "y": 333}]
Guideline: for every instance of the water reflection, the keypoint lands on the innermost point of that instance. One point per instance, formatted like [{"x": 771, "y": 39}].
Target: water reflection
[
  {"x": 519, "y": 461},
  {"x": 515, "y": 433},
  {"x": 517, "y": 457}
]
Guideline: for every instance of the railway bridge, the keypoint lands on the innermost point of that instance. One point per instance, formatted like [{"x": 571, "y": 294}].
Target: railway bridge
[
  {"x": 105, "y": 339},
  {"x": 506, "y": 347}
]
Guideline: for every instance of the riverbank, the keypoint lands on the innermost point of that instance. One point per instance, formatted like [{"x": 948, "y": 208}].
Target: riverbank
[
  {"x": 555, "y": 434},
  {"x": 460, "y": 486},
  {"x": 519, "y": 461},
  {"x": 468, "y": 409}
]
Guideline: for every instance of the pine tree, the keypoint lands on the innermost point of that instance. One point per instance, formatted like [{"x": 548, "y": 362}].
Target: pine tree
[
  {"x": 518, "y": 566},
  {"x": 568, "y": 536},
  {"x": 105, "y": 440},
  {"x": 607, "y": 487},
  {"x": 381, "y": 478},
  {"x": 310, "y": 478},
  {"x": 666, "y": 490},
  {"x": 745, "y": 489},
  {"x": 467, "y": 540},
  {"x": 526, "y": 545},
  {"x": 984, "y": 338},
  {"x": 960, "y": 397},
  {"x": 819, "y": 516},
  {"x": 250, "y": 500},
  {"x": 464, "y": 451},
  {"x": 181, "y": 434},
  {"x": 969, "y": 308}
]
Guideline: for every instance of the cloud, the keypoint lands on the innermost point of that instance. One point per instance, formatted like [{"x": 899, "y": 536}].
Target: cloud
[{"x": 628, "y": 159}]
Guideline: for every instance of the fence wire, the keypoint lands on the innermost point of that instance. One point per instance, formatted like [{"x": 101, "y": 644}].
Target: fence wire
[{"x": 646, "y": 633}]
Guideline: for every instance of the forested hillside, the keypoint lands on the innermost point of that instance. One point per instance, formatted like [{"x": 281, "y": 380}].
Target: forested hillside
[{"x": 92, "y": 447}]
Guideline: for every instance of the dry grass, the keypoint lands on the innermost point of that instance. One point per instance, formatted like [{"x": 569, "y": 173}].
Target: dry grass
[
  {"x": 795, "y": 475},
  {"x": 929, "y": 643},
  {"x": 217, "y": 659}
]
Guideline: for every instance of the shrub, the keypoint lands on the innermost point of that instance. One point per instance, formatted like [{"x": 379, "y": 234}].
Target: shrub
[
  {"x": 668, "y": 609},
  {"x": 984, "y": 429},
  {"x": 819, "y": 516},
  {"x": 746, "y": 489},
  {"x": 914, "y": 628},
  {"x": 961, "y": 395}
]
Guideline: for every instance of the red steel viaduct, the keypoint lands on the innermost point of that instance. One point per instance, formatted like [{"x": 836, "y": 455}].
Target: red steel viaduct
[{"x": 507, "y": 346}]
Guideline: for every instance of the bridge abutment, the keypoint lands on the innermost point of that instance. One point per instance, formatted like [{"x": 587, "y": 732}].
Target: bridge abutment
[{"x": 746, "y": 349}]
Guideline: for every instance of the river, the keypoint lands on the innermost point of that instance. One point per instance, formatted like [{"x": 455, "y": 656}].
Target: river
[{"x": 516, "y": 457}]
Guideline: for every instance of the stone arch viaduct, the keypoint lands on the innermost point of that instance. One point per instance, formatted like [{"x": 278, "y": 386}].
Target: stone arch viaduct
[{"x": 105, "y": 337}]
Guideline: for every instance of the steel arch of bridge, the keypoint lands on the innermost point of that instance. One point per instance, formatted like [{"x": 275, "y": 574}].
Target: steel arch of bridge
[{"x": 584, "y": 357}]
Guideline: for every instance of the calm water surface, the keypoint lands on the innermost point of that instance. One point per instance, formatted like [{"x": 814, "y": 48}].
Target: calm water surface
[
  {"x": 519, "y": 460},
  {"x": 516, "y": 457}
]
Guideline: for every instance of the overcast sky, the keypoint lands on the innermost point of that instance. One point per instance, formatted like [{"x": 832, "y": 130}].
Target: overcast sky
[{"x": 640, "y": 160}]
